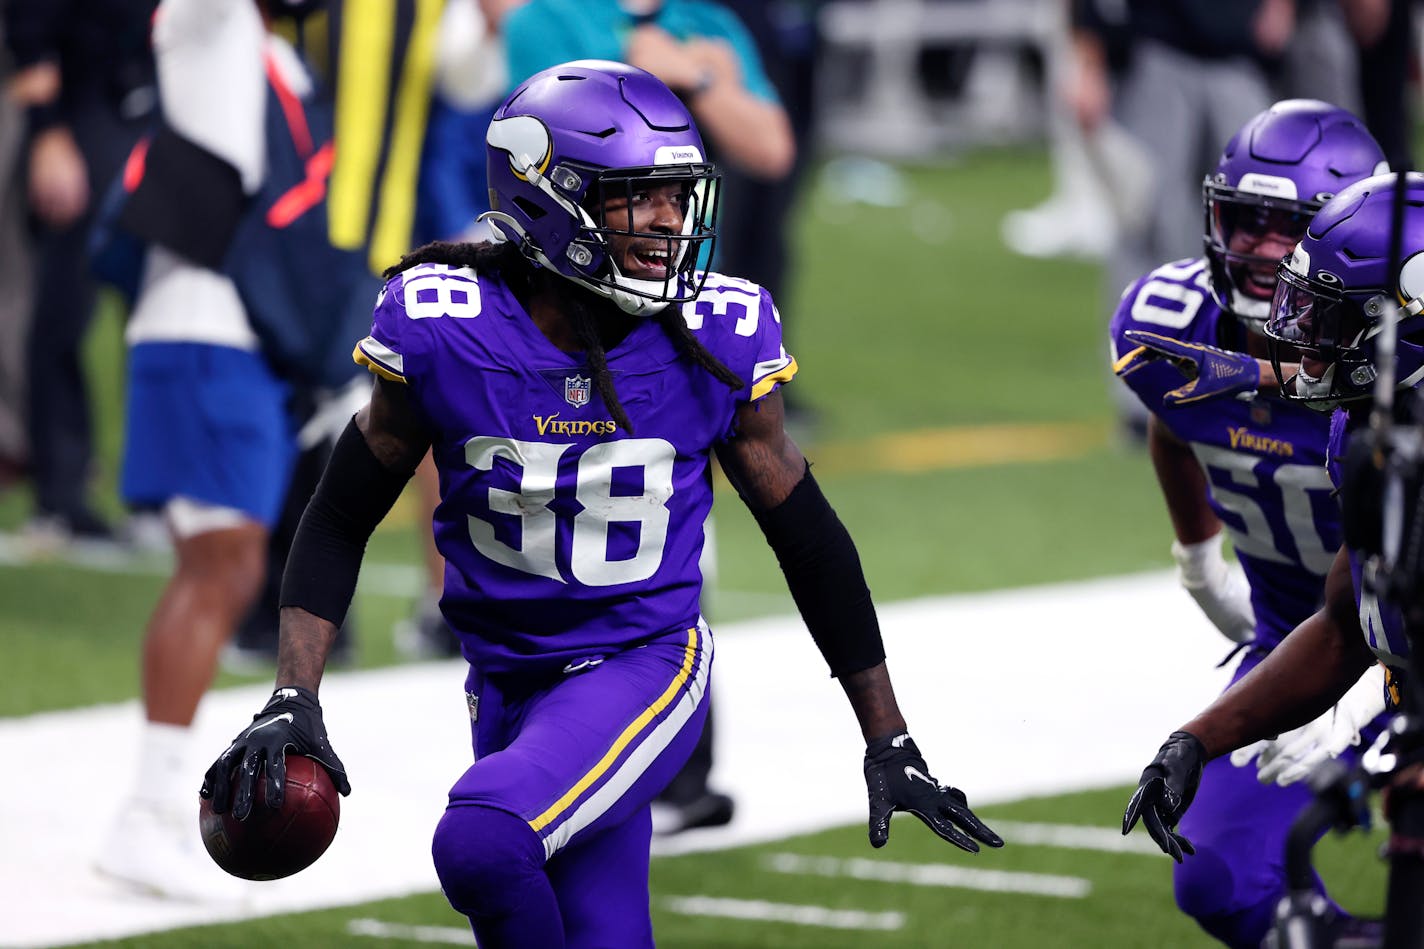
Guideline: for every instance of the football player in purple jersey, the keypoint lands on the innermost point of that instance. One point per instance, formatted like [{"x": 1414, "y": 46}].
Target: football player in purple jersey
[
  {"x": 574, "y": 382},
  {"x": 1250, "y": 467},
  {"x": 1331, "y": 301}
]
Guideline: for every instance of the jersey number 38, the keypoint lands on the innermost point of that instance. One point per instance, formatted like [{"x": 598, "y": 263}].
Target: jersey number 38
[{"x": 588, "y": 558}]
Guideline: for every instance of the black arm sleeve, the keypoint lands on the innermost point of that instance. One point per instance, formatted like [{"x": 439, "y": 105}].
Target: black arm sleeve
[
  {"x": 355, "y": 492},
  {"x": 825, "y": 578}
]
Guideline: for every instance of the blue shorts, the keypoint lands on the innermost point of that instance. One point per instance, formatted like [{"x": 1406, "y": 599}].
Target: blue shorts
[{"x": 208, "y": 423}]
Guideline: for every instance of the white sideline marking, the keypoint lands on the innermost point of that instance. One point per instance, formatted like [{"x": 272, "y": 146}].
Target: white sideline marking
[
  {"x": 933, "y": 874},
  {"x": 444, "y": 935},
  {"x": 382, "y": 579},
  {"x": 1074, "y": 837},
  {"x": 1080, "y": 653},
  {"x": 796, "y": 913}
]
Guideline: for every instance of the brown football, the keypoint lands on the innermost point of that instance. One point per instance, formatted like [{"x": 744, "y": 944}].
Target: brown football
[{"x": 272, "y": 844}]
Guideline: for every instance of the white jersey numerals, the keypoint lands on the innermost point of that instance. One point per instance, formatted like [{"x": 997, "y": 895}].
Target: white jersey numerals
[
  {"x": 1184, "y": 285},
  {"x": 435, "y": 290},
  {"x": 588, "y": 558},
  {"x": 1236, "y": 486},
  {"x": 1373, "y": 625}
]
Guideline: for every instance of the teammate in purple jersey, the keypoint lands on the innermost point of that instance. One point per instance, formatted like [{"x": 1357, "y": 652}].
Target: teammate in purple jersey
[
  {"x": 1252, "y": 467},
  {"x": 1329, "y": 305},
  {"x": 574, "y": 382}
]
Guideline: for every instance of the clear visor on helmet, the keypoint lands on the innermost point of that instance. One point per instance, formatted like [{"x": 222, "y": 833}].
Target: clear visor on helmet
[{"x": 1312, "y": 317}]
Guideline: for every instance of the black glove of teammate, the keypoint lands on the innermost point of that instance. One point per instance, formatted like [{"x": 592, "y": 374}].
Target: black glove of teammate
[
  {"x": 291, "y": 719},
  {"x": 1165, "y": 791},
  {"x": 899, "y": 780}
]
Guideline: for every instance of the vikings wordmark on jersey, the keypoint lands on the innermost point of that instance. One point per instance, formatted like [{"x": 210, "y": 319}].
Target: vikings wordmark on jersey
[
  {"x": 1264, "y": 459},
  {"x": 551, "y": 515}
]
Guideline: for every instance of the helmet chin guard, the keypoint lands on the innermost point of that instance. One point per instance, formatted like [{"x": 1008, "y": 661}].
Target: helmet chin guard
[{"x": 569, "y": 137}]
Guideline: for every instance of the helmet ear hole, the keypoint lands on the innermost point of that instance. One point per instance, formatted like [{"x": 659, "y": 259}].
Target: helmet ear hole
[{"x": 529, "y": 208}]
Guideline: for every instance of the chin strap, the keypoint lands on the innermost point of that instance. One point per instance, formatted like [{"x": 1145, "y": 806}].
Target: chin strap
[{"x": 630, "y": 302}]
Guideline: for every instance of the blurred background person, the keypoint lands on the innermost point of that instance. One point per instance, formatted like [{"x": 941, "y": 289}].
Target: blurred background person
[
  {"x": 1385, "y": 42},
  {"x": 754, "y": 234},
  {"x": 20, "y": 91},
  {"x": 240, "y": 296},
  {"x": 1179, "y": 77},
  {"x": 471, "y": 78},
  {"x": 379, "y": 65},
  {"x": 88, "y": 73},
  {"x": 699, "y": 48}
]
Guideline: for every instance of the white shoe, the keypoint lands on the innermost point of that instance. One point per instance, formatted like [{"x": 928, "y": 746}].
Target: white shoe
[
  {"x": 1058, "y": 229},
  {"x": 160, "y": 852}
]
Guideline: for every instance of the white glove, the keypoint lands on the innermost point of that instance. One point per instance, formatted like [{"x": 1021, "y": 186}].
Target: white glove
[
  {"x": 1289, "y": 757},
  {"x": 1221, "y": 592}
]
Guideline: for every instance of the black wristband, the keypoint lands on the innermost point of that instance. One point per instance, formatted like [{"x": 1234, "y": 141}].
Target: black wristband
[
  {"x": 355, "y": 493},
  {"x": 825, "y": 578}
]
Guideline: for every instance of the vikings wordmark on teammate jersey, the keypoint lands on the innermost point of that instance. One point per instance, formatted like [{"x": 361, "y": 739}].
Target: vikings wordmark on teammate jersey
[{"x": 1264, "y": 459}]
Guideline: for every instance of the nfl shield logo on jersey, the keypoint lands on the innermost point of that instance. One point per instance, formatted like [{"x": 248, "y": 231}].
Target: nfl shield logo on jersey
[{"x": 577, "y": 390}]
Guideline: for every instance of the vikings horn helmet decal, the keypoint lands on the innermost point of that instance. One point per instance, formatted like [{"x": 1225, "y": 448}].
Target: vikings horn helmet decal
[{"x": 572, "y": 135}]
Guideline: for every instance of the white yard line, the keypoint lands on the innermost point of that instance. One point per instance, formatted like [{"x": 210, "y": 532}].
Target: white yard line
[
  {"x": 438, "y": 935},
  {"x": 797, "y": 914},
  {"x": 989, "y": 682},
  {"x": 932, "y": 874},
  {"x": 1076, "y": 837}
]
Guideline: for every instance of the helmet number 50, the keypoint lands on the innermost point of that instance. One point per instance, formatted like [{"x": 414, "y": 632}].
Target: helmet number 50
[{"x": 589, "y": 562}]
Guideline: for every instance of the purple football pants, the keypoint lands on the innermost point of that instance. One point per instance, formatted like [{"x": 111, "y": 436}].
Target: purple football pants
[
  {"x": 1239, "y": 827},
  {"x": 545, "y": 841}
]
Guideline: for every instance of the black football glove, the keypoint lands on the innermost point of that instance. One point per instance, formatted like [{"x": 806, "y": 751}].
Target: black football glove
[
  {"x": 1165, "y": 791},
  {"x": 899, "y": 780},
  {"x": 291, "y": 720}
]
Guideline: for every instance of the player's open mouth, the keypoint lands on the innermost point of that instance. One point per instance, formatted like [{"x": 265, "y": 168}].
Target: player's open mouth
[
  {"x": 1261, "y": 281},
  {"x": 650, "y": 263}
]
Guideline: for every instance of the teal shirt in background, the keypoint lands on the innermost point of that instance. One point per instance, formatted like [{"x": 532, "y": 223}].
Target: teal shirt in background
[{"x": 544, "y": 33}]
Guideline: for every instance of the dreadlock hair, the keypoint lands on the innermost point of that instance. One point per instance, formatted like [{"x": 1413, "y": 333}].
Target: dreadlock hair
[
  {"x": 486, "y": 256},
  {"x": 522, "y": 277}
]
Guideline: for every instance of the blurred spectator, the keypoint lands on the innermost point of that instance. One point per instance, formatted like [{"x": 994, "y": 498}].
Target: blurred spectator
[
  {"x": 1179, "y": 77},
  {"x": 15, "y": 272},
  {"x": 228, "y": 314},
  {"x": 381, "y": 122},
  {"x": 753, "y": 232},
  {"x": 699, "y": 48},
  {"x": 1383, "y": 31},
  {"x": 384, "y": 62},
  {"x": 471, "y": 79},
  {"x": 1101, "y": 176},
  {"x": 1321, "y": 61},
  {"x": 86, "y": 74},
  {"x": 1188, "y": 74}
]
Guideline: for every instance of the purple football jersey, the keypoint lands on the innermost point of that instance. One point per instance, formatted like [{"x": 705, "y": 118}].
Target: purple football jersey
[
  {"x": 1381, "y": 623},
  {"x": 566, "y": 537},
  {"x": 1264, "y": 459}
]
